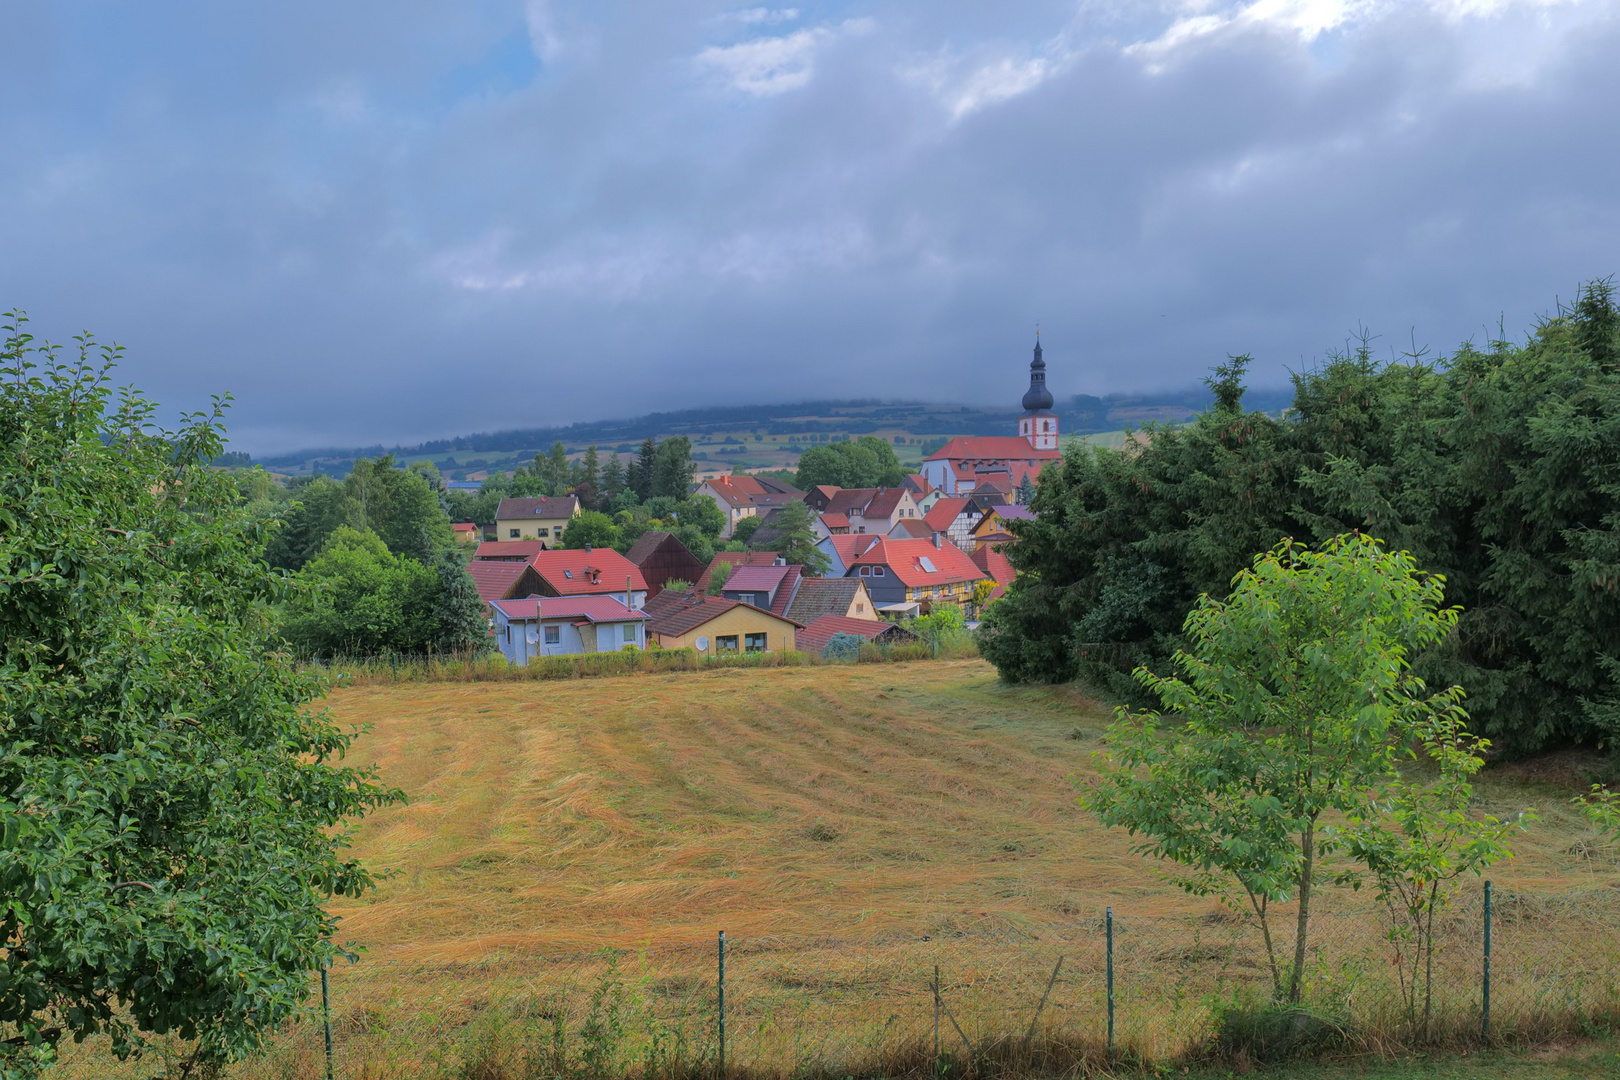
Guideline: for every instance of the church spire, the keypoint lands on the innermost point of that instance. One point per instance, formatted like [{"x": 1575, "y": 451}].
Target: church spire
[{"x": 1037, "y": 398}]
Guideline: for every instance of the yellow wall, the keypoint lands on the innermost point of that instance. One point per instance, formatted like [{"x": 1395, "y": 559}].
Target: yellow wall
[
  {"x": 740, "y": 621},
  {"x": 529, "y": 529}
]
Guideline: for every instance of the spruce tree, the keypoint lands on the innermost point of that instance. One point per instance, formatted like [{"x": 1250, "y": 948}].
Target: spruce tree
[{"x": 459, "y": 622}]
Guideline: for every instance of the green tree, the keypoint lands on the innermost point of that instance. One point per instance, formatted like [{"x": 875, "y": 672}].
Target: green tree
[
  {"x": 745, "y": 529},
  {"x": 319, "y": 505},
  {"x": 357, "y": 598},
  {"x": 1296, "y": 700},
  {"x": 719, "y": 574},
  {"x": 588, "y": 481},
  {"x": 865, "y": 462},
  {"x": 172, "y": 817},
  {"x": 673, "y": 468},
  {"x": 590, "y": 528},
  {"x": 459, "y": 622},
  {"x": 400, "y": 506},
  {"x": 639, "y": 473},
  {"x": 797, "y": 540},
  {"x": 612, "y": 479},
  {"x": 943, "y": 626}
]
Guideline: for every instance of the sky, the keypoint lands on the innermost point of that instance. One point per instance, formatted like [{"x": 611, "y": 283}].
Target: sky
[{"x": 383, "y": 222}]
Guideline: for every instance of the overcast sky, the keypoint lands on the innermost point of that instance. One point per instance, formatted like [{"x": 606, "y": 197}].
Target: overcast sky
[{"x": 388, "y": 221}]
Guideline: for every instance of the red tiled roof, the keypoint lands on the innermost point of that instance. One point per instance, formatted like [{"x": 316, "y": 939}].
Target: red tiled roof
[
  {"x": 835, "y": 521},
  {"x": 994, "y": 564},
  {"x": 848, "y": 545},
  {"x": 576, "y": 571},
  {"x": 520, "y": 550},
  {"x": 991, "y": 448},
  {"x": 814, "y": 638},
  {"x": 587, "y": 608},
  {"x": 755, "y": 578},
  {"x": 786, "y": 591},
  {"x": 904, "y": 558},
  {"x": 733, "y": 492},
  {"x": 495, "y": 578},
  {"x": 464, "y": 527},
  {"x": 556, "y": 506},
  {"x": 944, "y": 512},
  {"x": 675, "y": 615}
]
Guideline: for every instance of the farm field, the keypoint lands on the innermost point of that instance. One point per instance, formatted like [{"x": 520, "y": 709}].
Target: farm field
[{"x": 847, "y": 826}]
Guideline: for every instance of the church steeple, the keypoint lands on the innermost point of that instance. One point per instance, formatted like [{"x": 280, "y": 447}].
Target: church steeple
[{"x": 1038, "y": 424}]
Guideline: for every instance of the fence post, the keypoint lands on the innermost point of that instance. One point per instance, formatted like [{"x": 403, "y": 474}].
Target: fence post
[
  {"x": 1485, "y": 988},
  {"x": 326, "y": 1015},
  {"x": 1108, "y": 922},
  {"x": 936, "y": 1018},
  {"x": 721, "y": 983}
]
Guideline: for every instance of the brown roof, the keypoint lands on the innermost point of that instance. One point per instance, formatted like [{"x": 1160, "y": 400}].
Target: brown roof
[
  {"x": 850, "y": 500},
  {"x": 494, "y": 578},
  {"x": 912, "y": 527},
  {"x": 814, "y": 638},
  {"x": 883, "y": 502},
  {"x": 823, "y": 596},
  {"x": 674, "y": 614},
  {"x": 643, "y": 549},
  {"x": 556, "y": 506}
]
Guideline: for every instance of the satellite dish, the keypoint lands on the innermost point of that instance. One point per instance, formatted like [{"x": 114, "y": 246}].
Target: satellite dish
[
  {"x": 702, "y": 644},
  {"x": 533, "y": 633}
]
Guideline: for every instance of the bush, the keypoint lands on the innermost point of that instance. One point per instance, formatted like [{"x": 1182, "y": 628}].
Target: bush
[{"x": 1268, "y": 1032}]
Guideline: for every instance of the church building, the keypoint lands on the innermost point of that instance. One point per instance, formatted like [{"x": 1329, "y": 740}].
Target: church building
[{"x": 962, "y": 465}]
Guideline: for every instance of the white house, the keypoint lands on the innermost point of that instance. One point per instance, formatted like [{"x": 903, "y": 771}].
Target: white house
[{"x": 565, "y": 625}]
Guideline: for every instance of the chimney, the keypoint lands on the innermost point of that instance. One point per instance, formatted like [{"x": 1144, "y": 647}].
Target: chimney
[
  {"x": 936, "y": 540},
  {"x": 587, "y": 549},
  {"x": 779, "y": 561}
]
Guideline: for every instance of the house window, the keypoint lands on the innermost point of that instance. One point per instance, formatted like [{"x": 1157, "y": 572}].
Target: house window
[
  {"x": 515, "y": 534},
  {"x": 726, "y": 644},
  {"x": 553, "y": 635},
  {"x": 754, "y": 643},
  {"x": 859, "y": 608},
  {"x": 866, "y": 571},
  {"x": 630, "y": 633},
  {"x": 877, "y": 571},
  {"x": 569, "y": 574},
  {"x": 544, "y": 532}
]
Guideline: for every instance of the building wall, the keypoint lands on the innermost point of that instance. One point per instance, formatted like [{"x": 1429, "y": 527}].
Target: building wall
[
  {"x": 739, "y": 621},
  {"x": 591, "y": 637},
  {"x": 547, "y": 530}
]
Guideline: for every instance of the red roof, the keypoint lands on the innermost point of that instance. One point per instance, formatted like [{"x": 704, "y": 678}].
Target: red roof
[
  {"x": 944, "y": 512},
  {"x": 835, "y": 521},
  {"x": 994, "y": 564},
  {"x": 494, "y": 577},
  {"x": 578, "y": 571},
  {"x": 755, "y": 578},
  {"x": 588, "y": 608},
  {"x": 991, "y": 448},
  {"x": 464, "y": 527},
  {"x": 521, "y": 550},
  {"x": 736, "y": 559},
  {"x": 848, "y": 545},
  {"x": 909, "y": 560},
  {"x": 814, "y": 638}
]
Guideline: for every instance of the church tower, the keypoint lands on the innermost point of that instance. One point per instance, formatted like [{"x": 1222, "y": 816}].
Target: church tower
[{"x": 1039, "y": 424}]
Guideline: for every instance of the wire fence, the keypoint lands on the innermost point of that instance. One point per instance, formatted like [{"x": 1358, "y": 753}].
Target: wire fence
[{"x": 978, "y": 1000}]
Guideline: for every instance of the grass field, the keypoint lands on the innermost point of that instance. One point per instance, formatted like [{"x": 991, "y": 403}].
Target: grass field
[{"x": 841, "y": 815}]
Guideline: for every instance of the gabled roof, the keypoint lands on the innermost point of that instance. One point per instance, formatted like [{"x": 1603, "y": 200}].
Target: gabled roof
[
  {"x": 494, "y": 578},
  {"x": 918, "y": 483},
  {"x": 733, "y": 491},
  {"x": 990, "y": 448},
  {"x": 912, "y": 527},
  {"x": 850, "y": 500},
  {"x": 465, "y": 527},
  {"x": 735, "y": 558},
  {"x": 824, "y": 596},
  {"x": 677, "y": 614},
  {"x": 648, "y": 543},
  {"x": 755, "y": 578},
  {"x": 580, "y": 571},
  {"x": 909, "y": 560},
  {"x": 519, "y": 550},
  {"x": 945, "y": 511},
  {"x": 835, "y": 521},
  {"x": 1008, "y": 512},
  {"x": 814, "y": 638},
  {"x": 556, "y": 506},
  {"x": 589, "y": 608},
  {"x": 994, "y": 564},
  {"x": 848, "y": 545},
  {"x": 883, "y": 502}
]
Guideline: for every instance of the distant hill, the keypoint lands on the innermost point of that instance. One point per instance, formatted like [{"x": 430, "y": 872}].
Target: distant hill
[{"x": 761, "y": 436}]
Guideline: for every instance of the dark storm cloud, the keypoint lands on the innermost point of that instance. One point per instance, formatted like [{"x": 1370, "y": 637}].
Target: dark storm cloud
[{"x": 390, "y": 221}]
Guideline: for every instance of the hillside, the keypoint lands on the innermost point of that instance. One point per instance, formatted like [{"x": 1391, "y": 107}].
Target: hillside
[{"x": 763, "y": 436}]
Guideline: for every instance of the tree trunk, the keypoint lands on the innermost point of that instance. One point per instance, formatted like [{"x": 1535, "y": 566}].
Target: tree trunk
[{"x": 1307, "y": 846}]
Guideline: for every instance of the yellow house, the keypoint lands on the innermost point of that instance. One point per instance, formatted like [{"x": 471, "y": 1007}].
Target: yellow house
[
  {"x": 715, "y": 626},
  {"x": 535, "y": 519}
]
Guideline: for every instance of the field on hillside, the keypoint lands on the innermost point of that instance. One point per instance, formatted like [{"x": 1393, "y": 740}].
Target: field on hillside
[{"x": 849, "y": 827}]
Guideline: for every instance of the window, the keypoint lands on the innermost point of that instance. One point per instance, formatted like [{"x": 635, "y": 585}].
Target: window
[
  {"x": 878, "y": 571},
  {"x": 509, "y": 633},
  {"x": 569, "y": 574},
  {"x": 515, "y": 534},
  {"x": 630, "y": 633},
  {"x": 553, "y": 635},
  {"x": 754, "y": 643},
  {"x": 726, "y": 644},
  {"x": 544, "y": 532},
  {"x": 866, "y": 571},
  {"x": 859, "y": 608}
]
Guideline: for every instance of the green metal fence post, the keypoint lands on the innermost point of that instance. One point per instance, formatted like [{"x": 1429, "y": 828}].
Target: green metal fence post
[
  {"x": 326, "y": 1015},
  {"x": 1485, "y": 987},
  {"x": 936, "y": 1019},
  {"x": 1108, "y": 922},
  {"x": 721, "y": 983}
]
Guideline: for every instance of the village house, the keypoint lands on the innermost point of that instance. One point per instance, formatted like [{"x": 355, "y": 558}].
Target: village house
[
  {"x": 510, "y": 550},
  {"x": 584, "y": 572},
  {"x": 1004, "y": 460},
  {"x": 872, "y": 510},
  {"x": 992, "y": 526},
  {"x": 906, "y": 576},
  {"x": 565, "y": 625},
  {"x": 842, "y": 549},
  {"x": 542, "y": 519},
  {"x": 466, "y": 532},
  {"x": 814, "y": 637},
  {"x": 954, "y": 516},
  {"x": 741, "y": 497},
  {"x": 496, "y": 579},
  {"x": 661, "y": 557},
  {"x": 716, "y": 626},
  {"x": 769, "y": 587},
  {"x": 996, "y": 567},
  {"x": 844, "y": 597}
]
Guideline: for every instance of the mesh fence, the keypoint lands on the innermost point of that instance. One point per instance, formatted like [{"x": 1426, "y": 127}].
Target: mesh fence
[{"x": 988, "y": 999}]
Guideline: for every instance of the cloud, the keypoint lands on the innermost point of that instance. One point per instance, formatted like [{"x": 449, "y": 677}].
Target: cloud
[
  {"x": 774, "y": 65},
  {"x": 766, "y": 16}
]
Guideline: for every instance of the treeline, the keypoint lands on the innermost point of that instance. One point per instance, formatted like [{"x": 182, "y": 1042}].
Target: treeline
[{"x": 1498, "y": 467}]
